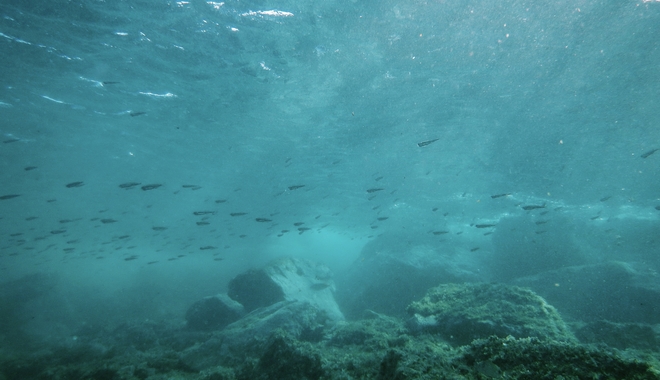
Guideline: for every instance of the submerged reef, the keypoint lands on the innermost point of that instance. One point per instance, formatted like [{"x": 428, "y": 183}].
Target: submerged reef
[{"x": 298, "y": 340}]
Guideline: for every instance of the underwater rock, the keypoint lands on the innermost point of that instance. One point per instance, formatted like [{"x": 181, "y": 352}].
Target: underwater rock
[
  {"x": 619, "y": 335},
  {"x": 392, "y": 272},
  {"x": 286, "y": 279},
  {"x": 616, "y": 291},
  {"x": 464, "y": 312},
  {"x": 213, "y": 312},
  {"x": 299, "y": 320},
  {"x": 521, "y": 247}
]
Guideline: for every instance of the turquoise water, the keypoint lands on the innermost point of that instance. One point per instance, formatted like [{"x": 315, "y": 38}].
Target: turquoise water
[{"x": 314, "y": 112}]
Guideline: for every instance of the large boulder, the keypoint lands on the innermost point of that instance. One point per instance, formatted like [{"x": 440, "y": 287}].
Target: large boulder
[
  {"x": 287, "y": 279},
  {"x": 622, "y": 292},
  {"x": 213, "y": 312},
  {"x": 461, "y": 313},
  {"x": 393, "y": 271}
]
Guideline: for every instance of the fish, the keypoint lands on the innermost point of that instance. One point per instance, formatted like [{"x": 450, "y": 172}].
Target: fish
[
  {"x": 488, "y": 233},
  {"x": 107, "y": 221},
  {"x": 500, "y": 195},
  {"x": 10, "y": 196},
  {"x": 263, "y": 220},
  {"x": 207, "y": 247},
  {"x": 203, "y": 223},
  {"x": 298, "y": 224},
  {"x": 650, "y": 152},
  {"x": 427, "y": 142},
  {"x": 485, "y": 225},
  {"x": 192, "y": 187},
  {"x": 31, "y": 218},
  {"x": 159, "y": 228},
  {"x": 151, "y": 187},
  {"x": 532, "y": 207},
  {"x": 218, "y": 259},
  {"x": 75, "y": 184},
  {"x": 28, "y": 168},
  {"x": 152, "y": 262},
  {"x": 303, "y": 229},
  {"x": 204, "y": 213},
  {"x": 538, "y": 223},
  {"x": 656, "y": 207},
  {"x": 220, "y": 201},
  {"x": 130, "y": 258},
  {"x": 434, "y": 209},
  {"x": 57, "y": 232},
  {"x": 109, "y": 82},
  {"x": 137, "y": 113},
  {"x": 373, "y": 190},
  {"x": 440, "y": 232},
  {"x": 11, "y": 141},
  {"x": 603, "y": 199},
  {"x": 238, "y": 213},
  {"x": 129, "y": 185},
  {"x": 383, "y": 218},
  {"x": 295, "y": 187},
  {"x": 378, "y": 179},
  {"x": 475, "y": 249}
]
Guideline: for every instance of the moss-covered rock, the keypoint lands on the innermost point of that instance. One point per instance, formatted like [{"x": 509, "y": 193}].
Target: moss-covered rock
[
  {"x": 531, "y": 358},
  {"x": 463, "y": 312}
]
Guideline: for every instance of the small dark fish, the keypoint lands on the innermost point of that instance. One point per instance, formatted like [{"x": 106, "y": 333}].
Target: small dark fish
[
  {"x": 594, "y": 217},
  {"x": 374, "y": 190},
  {"x": 11, "y": 141},
  {"x": 10, "y": 196},
  {"x": 151, "y": 187},
  {"x": 475, "y": 249},
  {"x": 434, "y": 209},
  {"x": 379, "y": 178},
  {"x": 137, "y": 113},
  {"x": 56, "y": 232},
  {"x": 383, "y": 218},
  {"x": 540, "y": 232},
  {"x": 152, "y": 262},
  {"x": 303, "y": 229},
  {"x": 108, "y": 221},
  {"x": 191, "y": 187},
  {"x": 532, "y": 207},
  {"x": 543, "y": 212},
  {"x": 427, "y": 142},
  {"x": 263, "y": 220},
  {"x": 319, "y": 286},
  {"x": 374, "y": 227},
  {"x": 109, "y": 82},
  {"x": 75, "y": 184},
  {"x": 440, "y": 232},
  {"x": 28, "y": 168},
  {"x": 650, "y": 152},
  {"x": 220, "y": 201},
  {"x": 130, "y": 258},
  {"x": 538, "y": 223},
  {"x": 51, "y": 200},
  {"x": 298, "y": 224},
  {"x": 603, "y": 199},
  {"x": 31, "y": 218},
  {"x": 488, "y": 233},
  {"x": 159, "y": 228},
  {"x": 123, "y": 237},
  {"x": 294, "y": 187},
  {"x": 207, "y": 247},
  {"x": 129, "y": 185},
  {"x": 238, "y": 213},
  {"x": 485, "y": 225},
  {"x": 284, "y": 231},
  {"x": 500, "y": 195},
  {"x": 218, "y": 259},
  {"x": 203, "y": 223},
  {"x": 204, "y": 212},
  {"x": 656, "y": 207}
]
